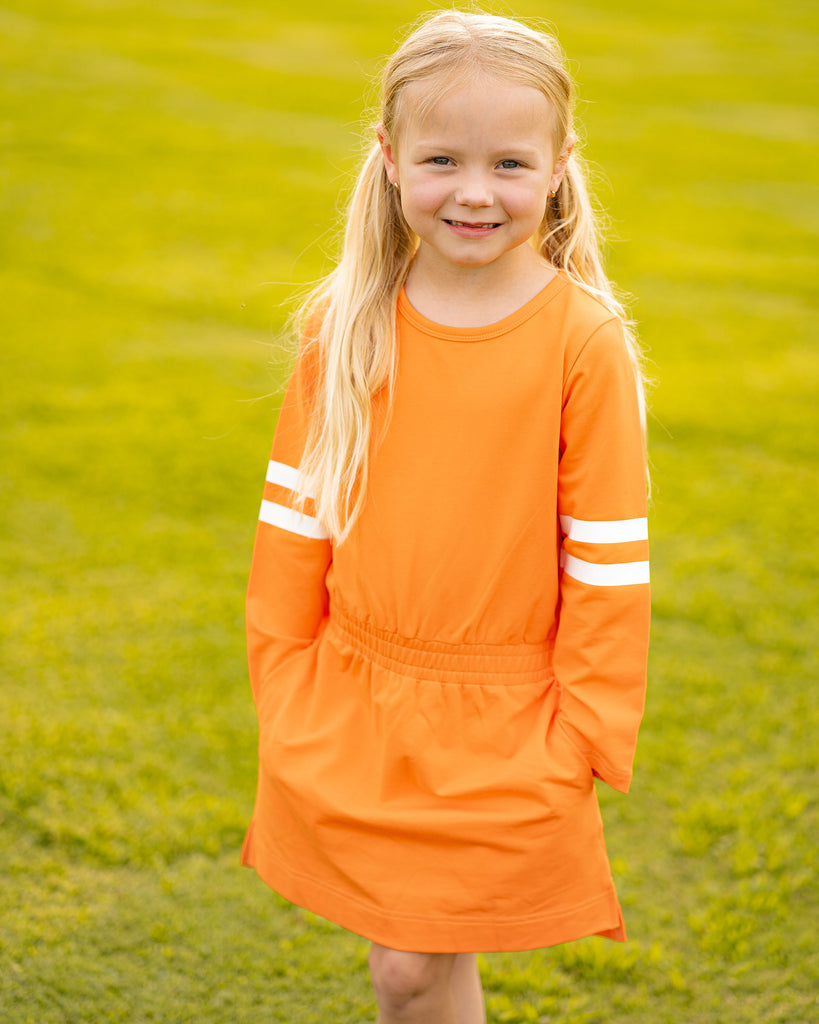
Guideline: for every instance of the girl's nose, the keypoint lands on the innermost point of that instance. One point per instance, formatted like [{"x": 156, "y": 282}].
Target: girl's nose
[{"x": 473, "y": 191}]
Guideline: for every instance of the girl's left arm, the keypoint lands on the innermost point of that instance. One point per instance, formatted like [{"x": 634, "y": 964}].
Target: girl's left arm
[{"x": 602, "y": 638}]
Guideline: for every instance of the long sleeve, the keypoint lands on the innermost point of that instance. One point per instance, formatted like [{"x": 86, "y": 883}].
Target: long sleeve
[
  {"x": 286, "y": 596},
  {"x": 602, "y": 637}
]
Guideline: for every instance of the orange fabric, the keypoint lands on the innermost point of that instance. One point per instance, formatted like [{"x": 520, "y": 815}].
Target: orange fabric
[{"x": 435, "y": 695}]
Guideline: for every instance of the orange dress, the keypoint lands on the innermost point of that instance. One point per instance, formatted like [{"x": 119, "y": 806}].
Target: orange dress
[{"x": 436, "y": 694}]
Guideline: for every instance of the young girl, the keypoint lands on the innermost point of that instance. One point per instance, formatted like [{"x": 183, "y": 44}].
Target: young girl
[{"x": 448, "y": 603}]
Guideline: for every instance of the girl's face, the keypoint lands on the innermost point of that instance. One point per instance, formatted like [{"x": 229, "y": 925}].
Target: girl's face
[{"x": 476, "y": 172}]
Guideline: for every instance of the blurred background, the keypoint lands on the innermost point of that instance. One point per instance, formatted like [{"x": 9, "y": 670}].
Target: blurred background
[{"x": 171, "y": 177}]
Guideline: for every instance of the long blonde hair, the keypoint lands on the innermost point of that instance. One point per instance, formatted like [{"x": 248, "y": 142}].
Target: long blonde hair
[{"x": 355, "y": 306}]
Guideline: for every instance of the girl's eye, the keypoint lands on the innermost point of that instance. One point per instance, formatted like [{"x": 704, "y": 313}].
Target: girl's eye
[
  {"x": 509, "y": 165},
  {"x": 440, "y": 161}
]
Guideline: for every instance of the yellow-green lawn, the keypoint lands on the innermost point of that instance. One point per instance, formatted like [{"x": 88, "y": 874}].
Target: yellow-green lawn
[{"x": 169, "y": 178}]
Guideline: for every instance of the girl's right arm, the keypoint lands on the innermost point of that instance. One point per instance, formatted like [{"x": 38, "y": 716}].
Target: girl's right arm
[{"x": 286, "y": 596}]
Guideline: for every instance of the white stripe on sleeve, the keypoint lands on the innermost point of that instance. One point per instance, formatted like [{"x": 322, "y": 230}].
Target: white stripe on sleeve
[
  {"x": 286, "y": 476},
  {"x": 621, "y": 574},
  {"x": 291, "y": 520},
  {"x": 611, "y": 531}
]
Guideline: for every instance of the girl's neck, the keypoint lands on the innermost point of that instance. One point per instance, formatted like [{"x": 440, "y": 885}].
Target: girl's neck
[{"x": 474, "y": 296}]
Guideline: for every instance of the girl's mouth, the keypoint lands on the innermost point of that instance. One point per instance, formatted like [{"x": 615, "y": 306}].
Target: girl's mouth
[
  {"x": 470, "y": 224},
  {"x": 470, "y": 229}
]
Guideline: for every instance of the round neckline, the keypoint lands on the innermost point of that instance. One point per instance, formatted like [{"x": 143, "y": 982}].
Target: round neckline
[{"x": 487, "y": 331}]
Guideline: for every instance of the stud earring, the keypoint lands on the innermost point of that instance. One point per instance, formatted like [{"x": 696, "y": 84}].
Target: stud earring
[
  {"x": 397, "y": 186},
  {"x": 553, "y": 193}
]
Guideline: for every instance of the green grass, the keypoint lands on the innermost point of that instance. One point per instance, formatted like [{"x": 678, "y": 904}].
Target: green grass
[{"x": 170, "y": 175}]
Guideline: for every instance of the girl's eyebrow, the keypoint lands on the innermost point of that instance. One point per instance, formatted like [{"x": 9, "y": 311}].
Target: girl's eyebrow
[{"x": 445, "y": 146}]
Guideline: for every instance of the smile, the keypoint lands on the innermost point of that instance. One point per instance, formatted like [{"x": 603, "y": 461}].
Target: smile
[{"x": 469, "y": 224}]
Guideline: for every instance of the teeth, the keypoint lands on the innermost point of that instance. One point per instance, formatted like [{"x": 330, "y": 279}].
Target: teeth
[{"x": 465, "y": 224}]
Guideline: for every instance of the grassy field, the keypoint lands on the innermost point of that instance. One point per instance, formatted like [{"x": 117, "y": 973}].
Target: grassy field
[{"x": 169, "y": 177}]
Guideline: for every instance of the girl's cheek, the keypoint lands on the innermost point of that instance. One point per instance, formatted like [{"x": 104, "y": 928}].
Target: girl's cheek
[
  {"x": 428, "y": 195},
  {"x": 529, "y": 199}
]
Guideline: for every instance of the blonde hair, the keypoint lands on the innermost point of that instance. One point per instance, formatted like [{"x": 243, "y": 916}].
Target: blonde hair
[{"x": 355, "y": 306}]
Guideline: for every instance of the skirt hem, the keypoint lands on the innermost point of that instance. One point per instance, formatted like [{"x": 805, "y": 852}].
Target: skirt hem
[{"x": 600, "y": 915}]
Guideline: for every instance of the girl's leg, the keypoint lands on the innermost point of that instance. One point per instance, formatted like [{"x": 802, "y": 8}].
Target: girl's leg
[
  {"x": 467, "y": 992},
  {"x": 425, "y": 988}
]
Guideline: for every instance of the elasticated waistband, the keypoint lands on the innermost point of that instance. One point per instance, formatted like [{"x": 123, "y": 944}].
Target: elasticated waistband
[{"x": 481, "y": 664}]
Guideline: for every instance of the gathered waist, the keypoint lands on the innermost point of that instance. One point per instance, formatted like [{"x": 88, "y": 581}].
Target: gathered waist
[{"x": 469, "y": 663}]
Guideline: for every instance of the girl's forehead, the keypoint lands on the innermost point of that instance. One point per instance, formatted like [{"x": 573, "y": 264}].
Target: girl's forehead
[{"x": 426, "y": 103}]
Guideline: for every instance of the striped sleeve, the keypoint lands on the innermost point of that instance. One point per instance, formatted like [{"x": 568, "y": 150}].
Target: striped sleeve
[
  {"x": 602, "y": 638},
  {"x": 287, "y": 599},
  {"x": 277, "y": 510}
]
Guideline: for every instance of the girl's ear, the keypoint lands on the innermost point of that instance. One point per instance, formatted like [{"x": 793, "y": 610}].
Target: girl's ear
[
  {"x": 386, "y": 149},
  {"x": 560, "y": 163}
]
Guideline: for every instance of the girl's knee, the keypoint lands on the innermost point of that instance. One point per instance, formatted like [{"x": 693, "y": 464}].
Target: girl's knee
[{"x": 399, "y": 978}]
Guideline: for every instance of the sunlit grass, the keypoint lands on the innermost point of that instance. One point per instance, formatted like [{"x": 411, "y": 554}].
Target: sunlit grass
[{"x": 170, "y": 176}]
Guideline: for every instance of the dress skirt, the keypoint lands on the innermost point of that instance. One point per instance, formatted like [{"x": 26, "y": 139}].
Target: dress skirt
[{"x": 428, "y": 798}]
